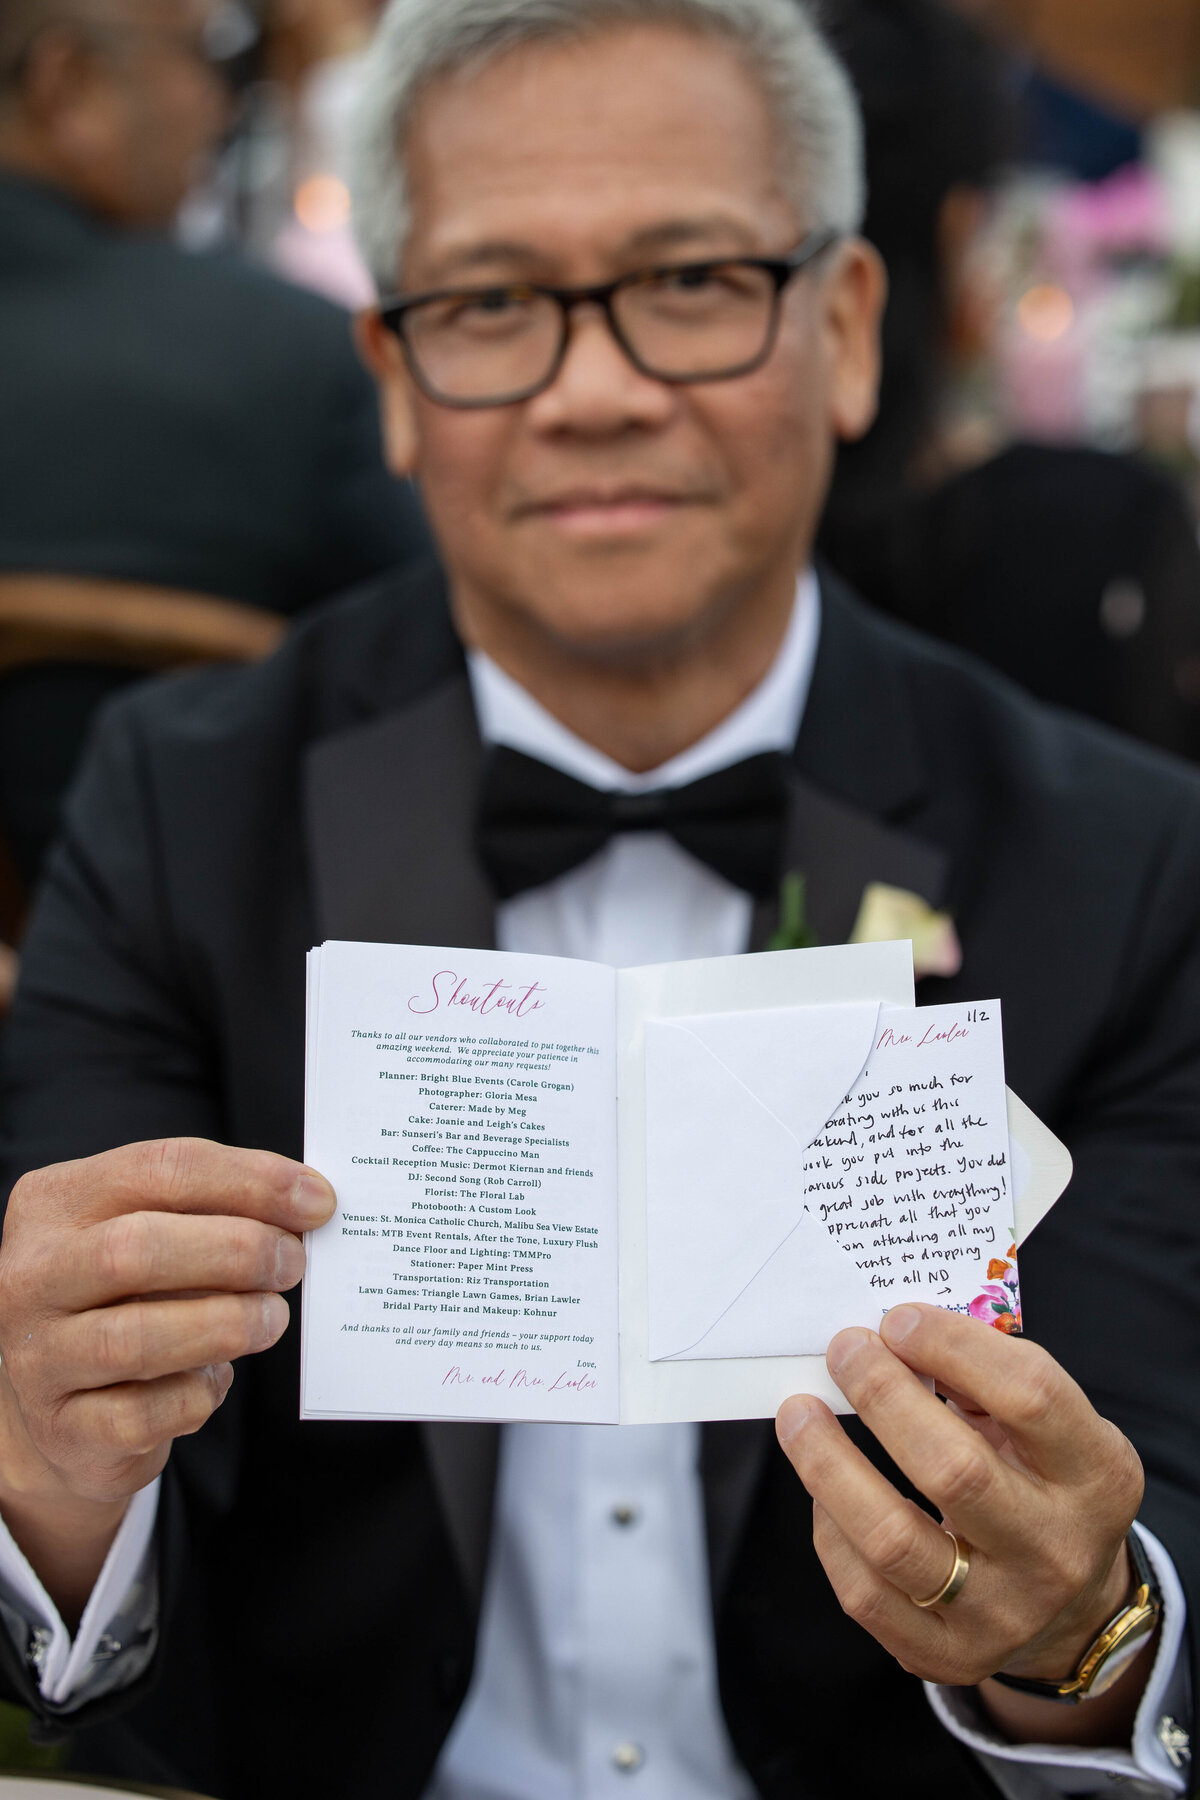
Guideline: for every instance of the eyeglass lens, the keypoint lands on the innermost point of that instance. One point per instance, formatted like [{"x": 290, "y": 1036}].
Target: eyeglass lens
[{"x": 686, "y": 324}]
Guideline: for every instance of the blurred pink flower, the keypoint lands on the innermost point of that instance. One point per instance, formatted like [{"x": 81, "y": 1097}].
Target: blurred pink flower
[{"x": 1123, "y": 215}]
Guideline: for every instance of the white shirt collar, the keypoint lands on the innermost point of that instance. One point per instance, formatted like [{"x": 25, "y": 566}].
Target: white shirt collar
[{"x": 767, "y": 719}]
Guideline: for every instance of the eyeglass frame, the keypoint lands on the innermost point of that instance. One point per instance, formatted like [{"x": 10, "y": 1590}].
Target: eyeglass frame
[{"x": 394, "y": 309}]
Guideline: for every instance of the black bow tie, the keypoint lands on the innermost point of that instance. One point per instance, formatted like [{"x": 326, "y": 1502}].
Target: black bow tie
[{"x": 535, "y": 823}]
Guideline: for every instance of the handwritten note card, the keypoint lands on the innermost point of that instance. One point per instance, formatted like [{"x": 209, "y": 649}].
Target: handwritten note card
[
  {"x": 911, "y": 1174},
  {"x": 562, "y": 1197},
  {"x": 833, "y": 1161}
]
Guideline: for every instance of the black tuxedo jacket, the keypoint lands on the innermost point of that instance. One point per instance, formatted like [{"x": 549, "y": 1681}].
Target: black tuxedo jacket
[{"x": 227, "y": 821}]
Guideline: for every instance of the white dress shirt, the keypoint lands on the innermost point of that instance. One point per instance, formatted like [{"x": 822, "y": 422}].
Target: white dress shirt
[{"x": 595, "y": 1670}]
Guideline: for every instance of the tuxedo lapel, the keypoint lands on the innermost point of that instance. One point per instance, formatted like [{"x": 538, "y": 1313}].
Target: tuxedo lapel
[
  {"x": 839, "y": 848},
  {"x": 859, "y": 737},
  {"x": 389, "y": 817},
  {"x": 857, "y": 775}
]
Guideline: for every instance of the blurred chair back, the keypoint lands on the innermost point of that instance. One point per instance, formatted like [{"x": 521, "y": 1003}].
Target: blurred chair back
[
  {"x": 1142, "y": 56},
  {"x": 26, "y": 1786},
  {"x": 67, "y": 618}
]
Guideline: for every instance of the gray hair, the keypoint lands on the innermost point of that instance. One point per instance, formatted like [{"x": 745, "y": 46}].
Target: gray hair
[{"x": 419, "y": 40}]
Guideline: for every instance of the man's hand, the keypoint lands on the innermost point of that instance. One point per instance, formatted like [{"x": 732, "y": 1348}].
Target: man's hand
[
  {"x": 129, "y": 1284},
  {"x": 1021, "y": 1466}
]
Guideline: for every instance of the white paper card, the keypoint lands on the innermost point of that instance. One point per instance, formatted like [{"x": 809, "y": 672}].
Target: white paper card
[
  {"x": 567, "y": 1192},
  {"x": 461, "y": 1102}
]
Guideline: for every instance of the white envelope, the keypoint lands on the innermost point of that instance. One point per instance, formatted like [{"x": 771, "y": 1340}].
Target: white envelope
[
  {"x": 736, "y": 1099},
  {"x": 1041, "y": 1166}
]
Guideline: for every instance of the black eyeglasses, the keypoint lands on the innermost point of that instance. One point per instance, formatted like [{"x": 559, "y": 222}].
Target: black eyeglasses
[{"x": 701, "y": 321}]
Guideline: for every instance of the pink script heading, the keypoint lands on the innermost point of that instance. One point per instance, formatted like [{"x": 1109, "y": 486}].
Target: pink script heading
[{"x": 449, "y": 989}]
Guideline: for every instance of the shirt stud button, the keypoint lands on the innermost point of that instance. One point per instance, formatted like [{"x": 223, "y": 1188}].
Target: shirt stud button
[
  {"x": 628, "y": 1757},
  {"x": 624, "y": 1515}
]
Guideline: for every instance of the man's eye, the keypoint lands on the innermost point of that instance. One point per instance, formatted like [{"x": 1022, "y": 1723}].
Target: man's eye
[
  {"x": 691, "y": 281},
  {"x": 700, "y": 291},
  {"x": 716, "y": 284},
  {"x": 500, "y": 304}
]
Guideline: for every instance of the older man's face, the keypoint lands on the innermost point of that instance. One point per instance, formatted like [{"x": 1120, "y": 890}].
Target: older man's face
[{"x": 613, "y": 512}]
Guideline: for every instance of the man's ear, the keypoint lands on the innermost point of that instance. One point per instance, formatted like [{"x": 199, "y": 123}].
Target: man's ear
[
  {"x": 383, "y": 356},
  {"x": 856, "y": 293},
  {"x": 58, "y": 74},
  {"x": 74, "y": 111}
]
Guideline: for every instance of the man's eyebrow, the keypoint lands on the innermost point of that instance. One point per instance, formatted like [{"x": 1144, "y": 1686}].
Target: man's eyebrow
[
  {"x": 719, "y": 232},
  {"x": 517, "y": 258}
]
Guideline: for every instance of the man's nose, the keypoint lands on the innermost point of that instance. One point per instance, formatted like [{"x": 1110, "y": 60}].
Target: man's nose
[{"x": 598, "y": 388}]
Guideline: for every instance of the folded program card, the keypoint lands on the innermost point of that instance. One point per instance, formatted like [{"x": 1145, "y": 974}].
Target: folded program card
[{"x": 568, "y": 1192}]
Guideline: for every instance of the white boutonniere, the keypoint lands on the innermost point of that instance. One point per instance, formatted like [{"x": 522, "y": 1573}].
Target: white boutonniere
[{"x": 886, "y": 913}]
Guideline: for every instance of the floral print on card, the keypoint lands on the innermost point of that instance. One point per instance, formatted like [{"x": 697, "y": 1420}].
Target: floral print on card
[{"x": 999, "y": 1304}]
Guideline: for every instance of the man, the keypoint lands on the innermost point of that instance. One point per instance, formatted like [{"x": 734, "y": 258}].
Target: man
[
  {"x": 634, "y": 318},
  {"x": 168, "y": 421}
]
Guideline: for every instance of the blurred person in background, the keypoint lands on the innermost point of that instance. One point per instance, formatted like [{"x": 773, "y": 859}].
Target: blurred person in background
[
  {"x": 279, "y": 187},
  {"x": 1074, "y": 571},
  {"x": 297, "y": 200},
  {"x": 168, "y": 422}
]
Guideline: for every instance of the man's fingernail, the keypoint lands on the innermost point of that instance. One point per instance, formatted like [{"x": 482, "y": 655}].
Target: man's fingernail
[
  {"x": 845, "y": 1347},
  {"x": 275, "y": 1316},
  {"x": 222, "y": 1374},
  {"x": 289, "y": 1261},
  {"x": 899, "y": 1323},
  {"x": 313, "y": 1200},
  {"x": 792, "y": 1417}
]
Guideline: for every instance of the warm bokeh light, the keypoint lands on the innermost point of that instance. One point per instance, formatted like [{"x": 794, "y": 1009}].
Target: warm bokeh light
[
  {"x": 1045, "y": 312},
  {"x": 323, "y": 203}
]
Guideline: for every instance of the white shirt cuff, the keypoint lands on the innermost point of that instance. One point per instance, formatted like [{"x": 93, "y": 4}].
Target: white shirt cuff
[
  {"x": 64, "y": 1666},
  {"x": 1156, "y": 1762}
]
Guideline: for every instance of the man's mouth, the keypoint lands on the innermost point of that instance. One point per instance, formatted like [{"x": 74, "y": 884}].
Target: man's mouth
[{"x": 601, "y": 511}]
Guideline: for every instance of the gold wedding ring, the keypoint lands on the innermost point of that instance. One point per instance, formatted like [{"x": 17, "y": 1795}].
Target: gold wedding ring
[{"x": 953, "y": 1585}]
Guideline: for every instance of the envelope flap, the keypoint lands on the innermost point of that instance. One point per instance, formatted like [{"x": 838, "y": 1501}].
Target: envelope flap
[
  {"x": 1042, "y": 1167},
  {"x": 733, "y": 1101},
  {"x": 800, "y": 1062}
]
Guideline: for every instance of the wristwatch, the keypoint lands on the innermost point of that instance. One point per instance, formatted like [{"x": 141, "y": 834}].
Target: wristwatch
[{"x": 1110, "y": 1653}]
